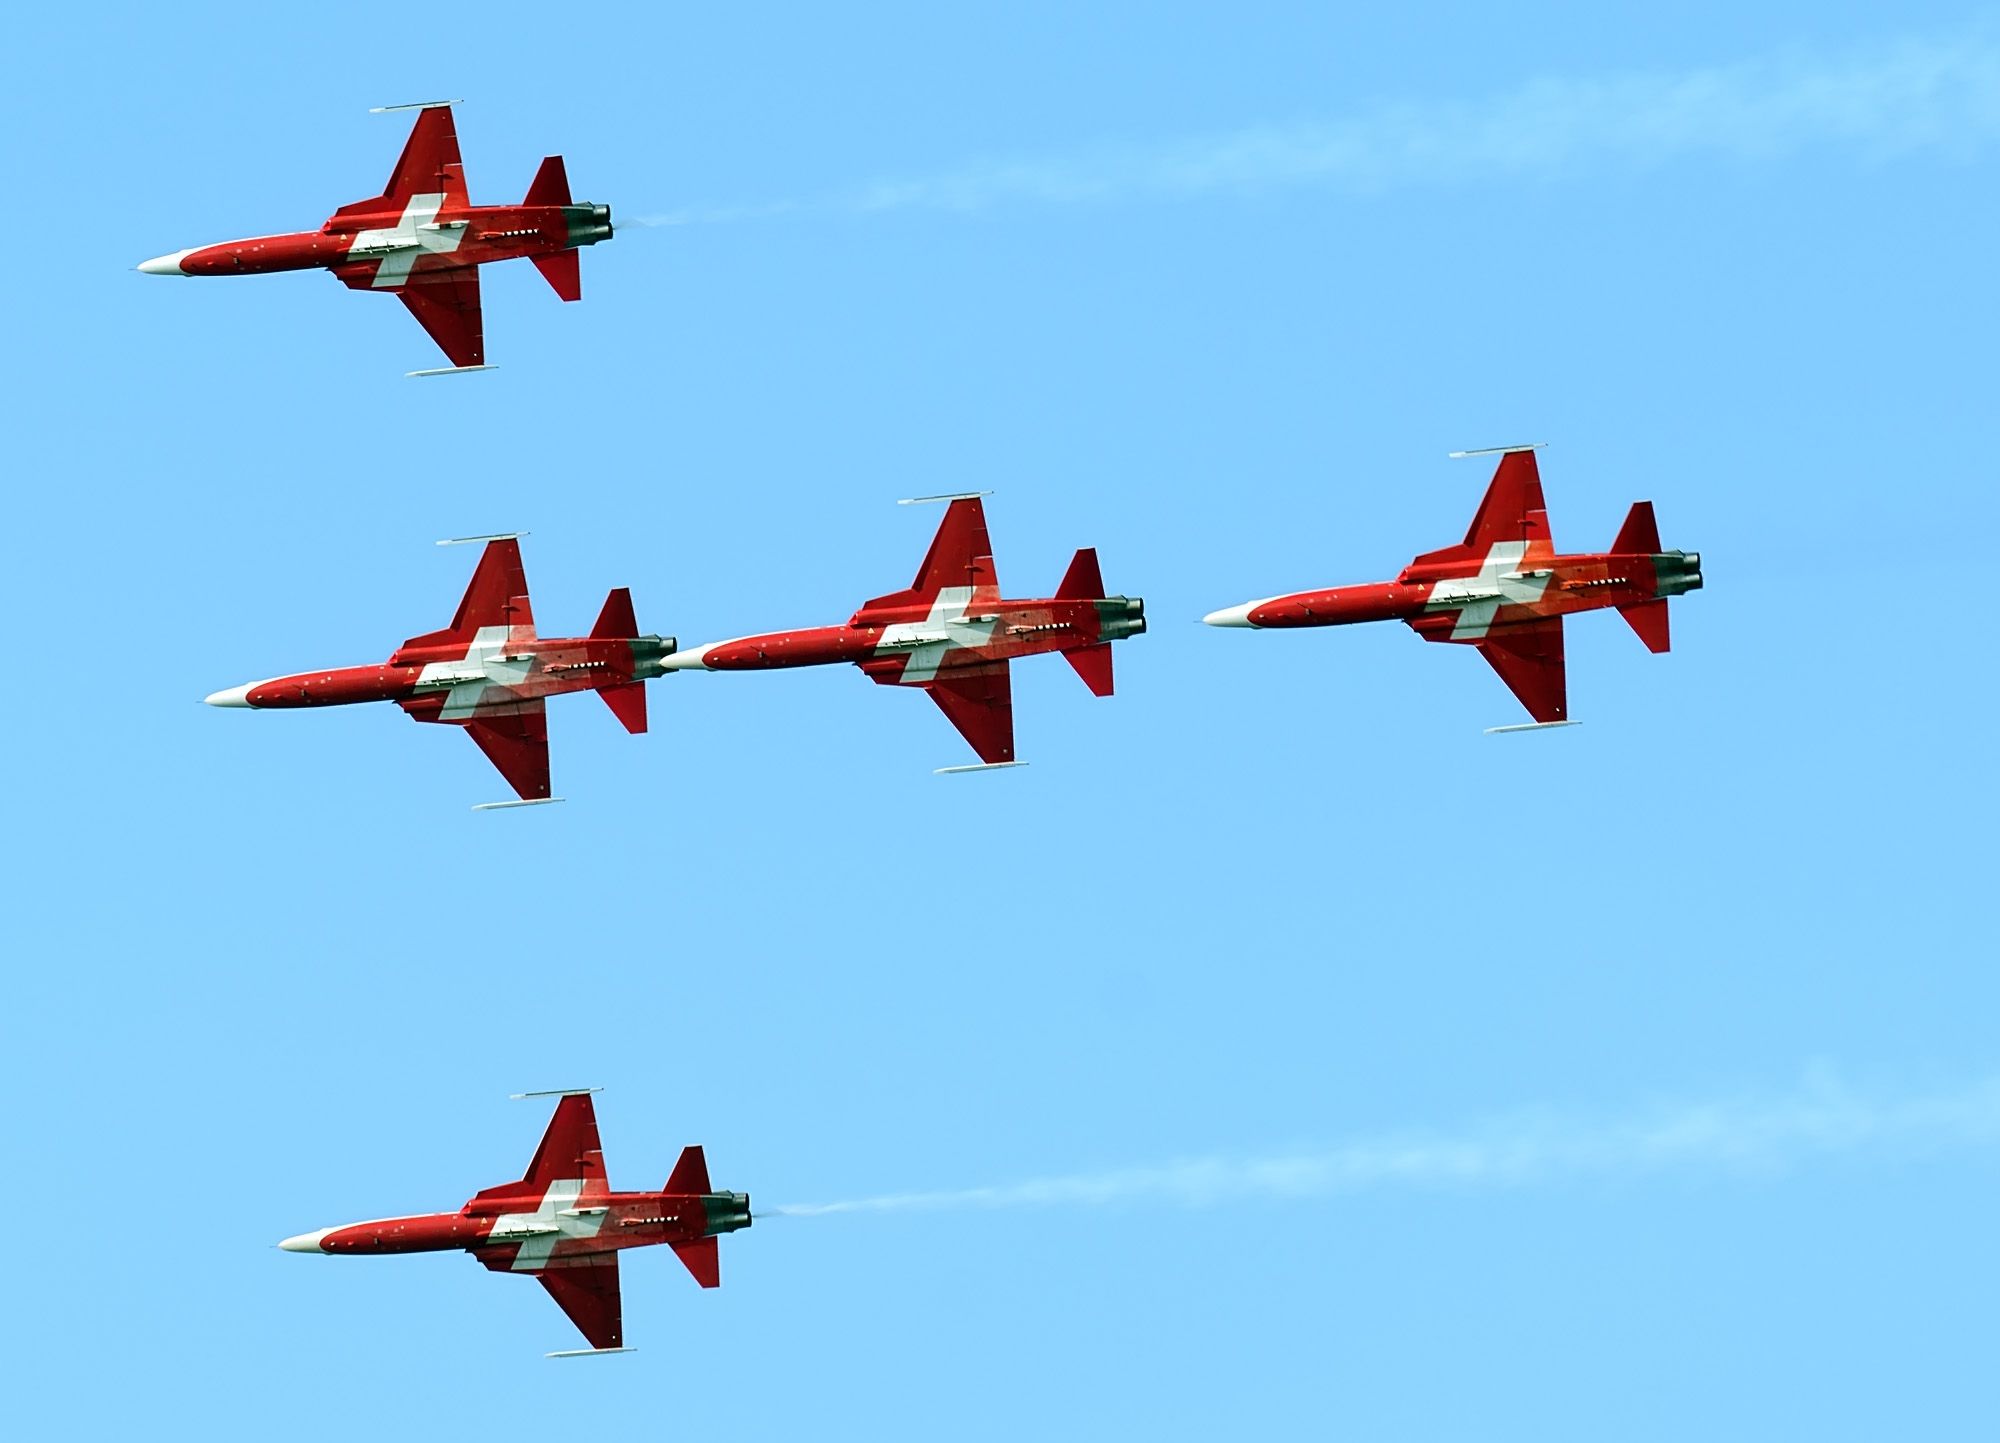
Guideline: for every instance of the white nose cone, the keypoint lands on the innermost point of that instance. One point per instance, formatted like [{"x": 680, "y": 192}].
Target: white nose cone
[
  {"x": 305, "y": 1242},
  {"x": 1235, "y": 615},
  {"x": 235, "y": 696},
  {"x": 167, "y": 265},
  {"x": 688, "y": 660}
]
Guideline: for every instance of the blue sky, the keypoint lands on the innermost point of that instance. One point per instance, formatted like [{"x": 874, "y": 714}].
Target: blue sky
[{"x": 1278, "y": 1052}]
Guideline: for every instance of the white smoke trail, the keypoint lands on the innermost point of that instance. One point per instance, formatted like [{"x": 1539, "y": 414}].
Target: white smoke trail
[
  {"x": 1936, "y": 94},
  {"x": 1822, "y": 1119}
]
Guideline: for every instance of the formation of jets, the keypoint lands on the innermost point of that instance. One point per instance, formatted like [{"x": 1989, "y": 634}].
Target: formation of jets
[{"x": 951, "y": 634}]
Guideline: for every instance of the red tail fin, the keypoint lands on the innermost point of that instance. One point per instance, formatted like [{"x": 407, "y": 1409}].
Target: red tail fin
[
  {"x": 1093, "y": 664},
  {"x": 1083, "y": 581},
  {"x": 1649, "y": 618},
  {"x": 562, "y": 270},
  {"x": 1639, "y": 536},
  {"x": 617, "y": 621},
  {"x": 628, "y": 704},
  {"x": 551, "y": 185},
  {"x": 703, "y": 1259},
  {"x": 690, "y": 1175}
]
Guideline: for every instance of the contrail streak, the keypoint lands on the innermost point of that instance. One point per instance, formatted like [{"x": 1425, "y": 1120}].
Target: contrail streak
[
  {"x": 1821, "y": 1119},
  {"x": 1935, "y": 94}
]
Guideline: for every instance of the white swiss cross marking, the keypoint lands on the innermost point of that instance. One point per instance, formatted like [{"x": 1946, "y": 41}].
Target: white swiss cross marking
[
  {"x": 486, "y": 663},
  {"x": 1478, "y": 599},
  {"x": 943, "y": 630},
  {"x": 415, "y": 234},
  {"x": 556, "y": 1219}
]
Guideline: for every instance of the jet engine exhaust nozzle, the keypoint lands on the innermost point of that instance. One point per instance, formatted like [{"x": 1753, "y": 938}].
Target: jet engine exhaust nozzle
[
  {"x": 1677, "y": 571},
  {"x": 727, "y": 1211},
  {"x": 1119, "y": 617},
  {"x": 588, "y": 224}
]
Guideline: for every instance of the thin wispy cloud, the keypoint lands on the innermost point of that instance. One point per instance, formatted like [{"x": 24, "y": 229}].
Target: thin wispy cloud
[
  {"x": 1937, "y": 95},
  {"x": 1821, "y": 1120}
]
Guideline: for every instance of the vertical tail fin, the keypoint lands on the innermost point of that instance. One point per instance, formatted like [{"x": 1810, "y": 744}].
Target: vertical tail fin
[
  {"x": 1639, "y": 536},
  {"x": 563, "y": 271},
  {"x": 1093, "y": 664},
  {"x": 703, "y": 1259},
  {"x": 628, "y": 703},
  {"x": 1649, "y": 620},
  {"x": 1083, "y": 581},
  {"x": 551, "y": 185},
  {"x": 690, "y": 1174},
  {"x": 617, "y": 621}
]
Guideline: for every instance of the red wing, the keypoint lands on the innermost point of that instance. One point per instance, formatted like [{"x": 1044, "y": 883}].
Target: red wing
[
  {"x": 569, "y": 1147},
  {"x": 1529, "y": 658},
  {"x": 429, "y": 164},
  {"x": 1511, "y": 510},
  {"x": 445, "y": 302},
  {"x": 980, "y": 702},
  {"x": 497, "y": 595},
  {"x": 586, "y": 1287},
  {"x": 960, "y": 555},
  {"x": 516, "y": 740}
]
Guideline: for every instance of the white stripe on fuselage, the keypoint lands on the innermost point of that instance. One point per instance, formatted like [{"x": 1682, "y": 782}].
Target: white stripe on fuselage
[
  {"x": 1478, "y": 599},
  {"x": 482, "y": 666},
  {"x": 412, "y": 236},
  {"x": 551, "y": 1223},
  {"x": 945, "y": 629}
]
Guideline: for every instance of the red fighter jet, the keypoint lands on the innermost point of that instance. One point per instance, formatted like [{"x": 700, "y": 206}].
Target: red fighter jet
[
  {"x": 1505, "y": 591},
  {"x": 563, "y": 1225},
  {"x": 952, "y": 635},
  {"x": 423, "y": 241},
  {"x": 489, "y": 673}
]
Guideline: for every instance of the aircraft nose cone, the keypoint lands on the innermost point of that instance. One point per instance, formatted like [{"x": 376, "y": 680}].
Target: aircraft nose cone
[
  {"x": 305, "y": 1242},
  {"x": 1233, "y": 615},
  {"x": 235, "y": 696},
  {"x": 167, "y": 265}
]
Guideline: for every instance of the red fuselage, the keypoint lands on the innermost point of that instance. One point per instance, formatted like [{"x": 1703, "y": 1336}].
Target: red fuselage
[
  {"x": 897, "y": 643},
  {"x": 380, "y": 246},
  {"x": 500, "y": 1223},
  {"x": 425, "y": 680},
  {"x": 1478, "y": 593}
]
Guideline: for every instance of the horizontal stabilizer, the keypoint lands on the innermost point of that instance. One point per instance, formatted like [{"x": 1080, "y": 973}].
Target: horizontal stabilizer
[
  {"x": 1083, "y": 581},
  {"x": 617, "y": 621},
  {"x": 551, "y": 185},
  {"x": 703, "y": 1259},
  {"x": 1649, "y": 619},
  {"x": 690, "y": 1175},
  {"x": 562, "y": 270},
  {"x": 1639, "y": 536},
  {"x": 1093, "y": 664},
  {"x": 628, "y": 704}
]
